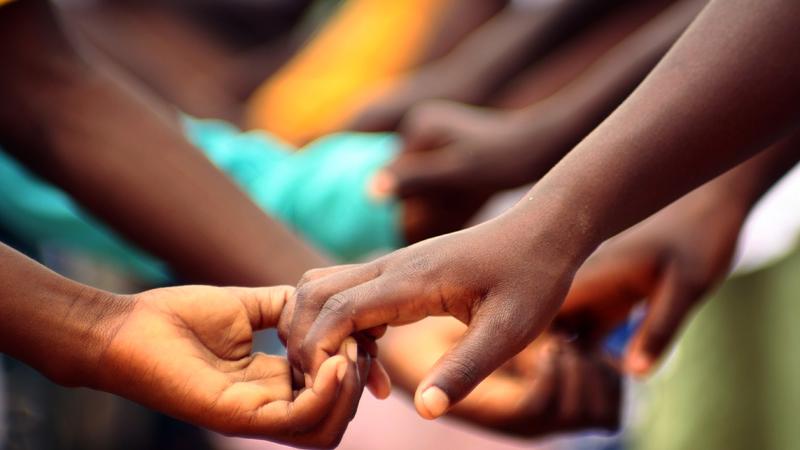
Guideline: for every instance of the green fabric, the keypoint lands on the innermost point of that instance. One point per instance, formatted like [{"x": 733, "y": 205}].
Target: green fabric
[
  {"x": 734, "y": 382},
  {"x": 318, "y": 191}
]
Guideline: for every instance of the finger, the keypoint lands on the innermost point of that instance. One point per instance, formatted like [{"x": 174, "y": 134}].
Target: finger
[
  {"x": 601, "y": 296},
  {"x": 263, "y": 305},
  {"x": 431, "y": 125},
  {"x": 309, "y": 300},
  {"x": 419, "y": 174},
  {"x": 467, "y": 363},
  {"x": 305, "y": 411},
  {"x": 384, "y": 116},
  {"x": 604, "y": 396},
  {"x": 378, "y": 381},
  {"x": 330, "y": 431},
  {"x": 667, "y": 311},
  {"x": 571, "y": 398},
  {"x": 380, "y": 301},
  {"x": 420, "y": 134},
  {"x": 285, "y": 322}
]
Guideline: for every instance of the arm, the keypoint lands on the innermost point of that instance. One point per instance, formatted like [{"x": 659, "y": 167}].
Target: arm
[
  {"x": 486, "y": 59},
  {"x": 451, "y": 148},
  {"x": 184, "y": 351},
  {"x": 673, "y": 259},
  {"x": 737, "y": 91},
  {"x": 122, "y": 155}
]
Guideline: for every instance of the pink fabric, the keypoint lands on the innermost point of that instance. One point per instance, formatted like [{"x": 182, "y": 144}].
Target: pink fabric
[{"x": 393, "y": 424}]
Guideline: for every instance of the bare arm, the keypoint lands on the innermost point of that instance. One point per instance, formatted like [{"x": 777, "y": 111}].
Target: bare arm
[
  {"x": 185, "y": 351},
  {"x": 122, "y": 155},
  {"x": 486, "y": 59},
  {"x": 467, "y": 150},
  {"x": 728, "y": 88}
]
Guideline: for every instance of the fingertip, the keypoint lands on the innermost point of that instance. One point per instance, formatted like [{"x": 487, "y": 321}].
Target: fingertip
[
  {"x": 382, "y": 185},
  {"x": 349, "y": 349},
  {"x": 638, "y": 364},
  {"x": 378, "y": 382},
  {"x": 431, "y": 403},
  {"x": 328, "y": 372}
]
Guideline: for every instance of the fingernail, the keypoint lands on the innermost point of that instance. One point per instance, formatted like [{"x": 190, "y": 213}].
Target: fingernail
[
  {"x": 351, "y": 349},
  {"x": 435, "y": 401},
  {"x": 341, "y": 371},
  {"x": 309, "y": 381},
  {"x": 381, "y": 185}
]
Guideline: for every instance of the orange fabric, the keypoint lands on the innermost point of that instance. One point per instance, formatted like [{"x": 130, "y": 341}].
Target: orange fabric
[{"x": 361, "y": 47}]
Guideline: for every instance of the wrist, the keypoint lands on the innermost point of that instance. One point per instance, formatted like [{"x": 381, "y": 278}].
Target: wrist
[
  {"x": 548, "y": 225},
  {"x": 73, "y": 344}
]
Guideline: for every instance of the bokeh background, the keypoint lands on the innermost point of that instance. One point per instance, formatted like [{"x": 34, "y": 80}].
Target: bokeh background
[{"x": 303, "y": 68}]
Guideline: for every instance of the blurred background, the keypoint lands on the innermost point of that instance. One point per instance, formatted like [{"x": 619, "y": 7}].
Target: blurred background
[{"x": 302, "y": 69}]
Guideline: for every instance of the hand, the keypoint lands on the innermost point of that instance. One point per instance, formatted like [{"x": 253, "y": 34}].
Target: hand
[
  {"x": 450, "y": 146},
  {"x": 186, "y": 351},
  {"x": 551, "y": 386},
  {"x": 455, "y": 157},
  {"x": 672, "y": 260},
  {"x": 485, "y": 276}
]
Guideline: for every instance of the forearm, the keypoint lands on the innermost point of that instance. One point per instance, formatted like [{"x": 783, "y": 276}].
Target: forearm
[
  {"x": 575, "y": 110},
  {"x": 748, "y": 182},
  {"x": 734, "y": 99},
  {"x": 511, "y": 41},
  {"x": 123, "y": 156},
  {"x": 51, "y": 323}
]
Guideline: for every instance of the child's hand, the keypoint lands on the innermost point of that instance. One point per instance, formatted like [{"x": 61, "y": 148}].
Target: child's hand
[
  {"x": 455, "y": 157},
  {"x": 186, "y": 351},
  {"x": 450, "y": 146},
  {"x": 551, "y": 386},
  {"x": 506, "y": 287},
  {"x": 672, "y": 261}
]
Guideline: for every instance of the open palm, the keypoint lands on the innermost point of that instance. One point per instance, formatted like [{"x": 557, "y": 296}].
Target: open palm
[{"x": 187, "y": 351}]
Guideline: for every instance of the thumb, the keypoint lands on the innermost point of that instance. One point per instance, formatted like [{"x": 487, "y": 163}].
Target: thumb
[
  {"x": 416, "y": 174},
  {"x": 669, "y": 306},
  {"x": 263, "y": 305},
  {"x": 464, "y": 366}
]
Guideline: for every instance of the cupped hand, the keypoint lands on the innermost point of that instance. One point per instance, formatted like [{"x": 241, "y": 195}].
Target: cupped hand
[
  {"x": 672, "y": 260},
  {"x": 551, "y": 386},
  {"x": 451, "y": 146},
  {"x": 187, "y": 351},
  {"x": 454, "y": 157},
  {"x": 507, "y": 291}
]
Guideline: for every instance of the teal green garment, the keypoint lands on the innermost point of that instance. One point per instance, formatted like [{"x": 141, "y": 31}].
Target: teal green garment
[{"x": 318, "y": 191}]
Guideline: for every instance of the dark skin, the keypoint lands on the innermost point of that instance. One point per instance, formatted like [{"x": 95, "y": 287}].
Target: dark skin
[
  {"x": 507, "y": 278},
  {"x": 552, "y": 386},
  {"x": 673, "y": 259},
  {"x": 504, "y": 45},
  {"x": 122, "y": 156},
  {"x": 466, "y": 153},
  {"x": 185, "y": 351}
]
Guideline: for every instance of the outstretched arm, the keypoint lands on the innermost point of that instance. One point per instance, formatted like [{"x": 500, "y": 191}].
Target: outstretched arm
[
  {"x": 673, "y": 259},
  {"x": 728, "y": 88},
  {"x": 454, "y": 149},
  {"x": 486, "y": 59},
  {"x": 185, "y": 351},
  {"x": 122, "y": 155}
]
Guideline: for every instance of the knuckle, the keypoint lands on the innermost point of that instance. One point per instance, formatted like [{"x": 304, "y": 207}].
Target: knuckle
[
  {"x": 464, "y": 370},
  {"x": 306, "y": 295},
  {"x": 338, "y": 304}
]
